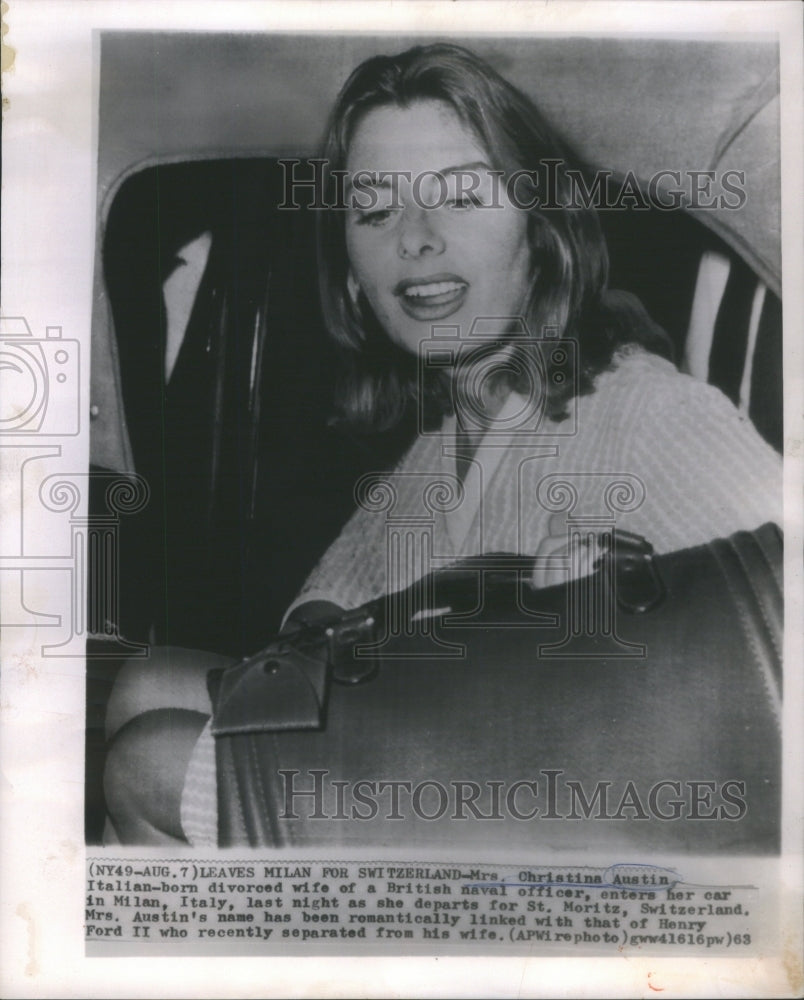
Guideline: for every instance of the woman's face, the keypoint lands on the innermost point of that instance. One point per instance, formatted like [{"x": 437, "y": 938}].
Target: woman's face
[{"x": 466, "y": 258}]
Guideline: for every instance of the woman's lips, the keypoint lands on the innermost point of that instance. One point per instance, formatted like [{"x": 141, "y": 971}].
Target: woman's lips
[{"x": 430, "y": 298}]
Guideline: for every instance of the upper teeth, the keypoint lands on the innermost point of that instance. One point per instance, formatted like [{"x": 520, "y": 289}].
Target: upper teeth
[{"x": 436, "y": 288}]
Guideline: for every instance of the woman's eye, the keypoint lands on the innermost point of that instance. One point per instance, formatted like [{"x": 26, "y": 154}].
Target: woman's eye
[
  {"x": 376, "y": 218},
  {"x": 463, "y": 201}
]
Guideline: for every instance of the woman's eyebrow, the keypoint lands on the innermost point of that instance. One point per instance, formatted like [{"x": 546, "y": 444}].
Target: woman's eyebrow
[
  {"x": 465, "y": 168},
  {"x": 386, "y": 178},
  {"x": 363, "y": 179}
]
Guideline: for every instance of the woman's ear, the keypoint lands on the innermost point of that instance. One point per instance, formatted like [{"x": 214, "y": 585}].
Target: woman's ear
[{"x": 352, "y": 287}]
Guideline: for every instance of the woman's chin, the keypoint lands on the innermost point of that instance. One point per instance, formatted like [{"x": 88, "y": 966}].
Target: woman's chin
[{"x": 414, "y": 335}]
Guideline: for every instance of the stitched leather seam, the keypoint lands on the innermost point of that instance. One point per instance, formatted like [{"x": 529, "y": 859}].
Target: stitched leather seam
[
  {"x": 282, "y": 834},
  {"x": 258, "y": 790},
  {"x": 760, "y": 661},
  {"x": 778, "y": 574},
  {"x": 760, "y": 604},
  {"x": 233, "y": 788}
]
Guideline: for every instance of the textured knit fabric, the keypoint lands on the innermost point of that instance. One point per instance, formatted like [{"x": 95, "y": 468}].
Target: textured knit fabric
[
  {"x": 650, "y": 450},
  {"x": 704, "y": 471}
]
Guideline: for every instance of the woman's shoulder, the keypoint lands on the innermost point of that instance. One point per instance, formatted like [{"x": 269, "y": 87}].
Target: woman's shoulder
[
  {"x": 639, "y": 380},
  {"x": 706, "y": 470},
  {"x": 635, "y": 369},
  {"x": 663, "y": 416}
]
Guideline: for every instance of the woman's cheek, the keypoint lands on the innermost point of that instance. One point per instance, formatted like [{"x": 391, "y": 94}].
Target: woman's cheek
[
  {"x": 363, "y": 256},
  {"x": 380, "y": 303}
]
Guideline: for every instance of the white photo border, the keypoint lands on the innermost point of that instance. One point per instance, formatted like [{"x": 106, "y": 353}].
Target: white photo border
[{"x": 49, "y": 233}]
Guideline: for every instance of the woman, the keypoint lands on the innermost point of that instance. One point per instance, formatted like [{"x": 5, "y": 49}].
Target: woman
[{"x": 462, "y": 281}]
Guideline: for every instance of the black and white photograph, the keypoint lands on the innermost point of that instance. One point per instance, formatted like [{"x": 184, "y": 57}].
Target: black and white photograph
[
  {"x": 415, "y": 518},
  {"x": 505, "y": 481}
]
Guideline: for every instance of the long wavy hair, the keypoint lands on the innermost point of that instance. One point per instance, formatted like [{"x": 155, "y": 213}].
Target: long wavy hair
[{"x": 568, "y": 294}]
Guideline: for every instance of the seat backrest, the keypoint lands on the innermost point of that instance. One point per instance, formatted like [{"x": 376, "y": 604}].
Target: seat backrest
[
  {"x": 734, "y": 339},
  {"x": 227, "y": 378},
  {"x": 725, "y": 323}
]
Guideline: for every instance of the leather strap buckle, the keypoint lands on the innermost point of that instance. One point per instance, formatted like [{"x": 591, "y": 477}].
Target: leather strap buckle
[{"x": 638, "y": 587}]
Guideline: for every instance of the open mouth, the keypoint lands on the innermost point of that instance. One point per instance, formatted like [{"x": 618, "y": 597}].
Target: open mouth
[{"x": 431, "y": 298}]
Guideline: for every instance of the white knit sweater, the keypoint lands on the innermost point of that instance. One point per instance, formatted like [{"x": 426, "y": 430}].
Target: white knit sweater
[{"x": 703, "y": 469}]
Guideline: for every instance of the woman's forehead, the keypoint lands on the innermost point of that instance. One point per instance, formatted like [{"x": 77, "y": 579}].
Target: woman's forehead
[{"x": 424, "y": 136}]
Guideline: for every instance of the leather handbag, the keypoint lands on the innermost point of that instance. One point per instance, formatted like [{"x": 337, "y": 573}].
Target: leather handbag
[{"x": 637, "y": 707}]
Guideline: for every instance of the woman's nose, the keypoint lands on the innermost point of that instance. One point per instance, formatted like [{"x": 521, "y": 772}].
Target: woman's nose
[{"x": 418, "y": 235}]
